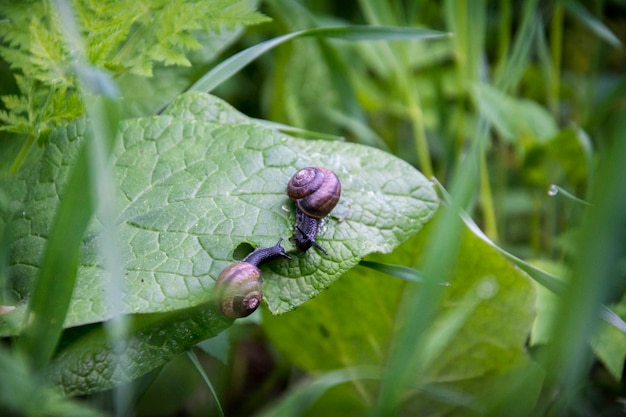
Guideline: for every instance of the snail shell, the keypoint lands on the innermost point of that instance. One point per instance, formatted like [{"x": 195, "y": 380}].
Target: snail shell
[
  {"x": 315, "y": 190},
  {"x": 238, "y": 290}
]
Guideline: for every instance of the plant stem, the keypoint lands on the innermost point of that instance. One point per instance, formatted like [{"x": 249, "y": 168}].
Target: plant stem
[
  {"x": 419, "y": 132},
  {"x": 19, "y": 159},
  {"x": 556, "y": 46},
  {"x": 489, "y": 217}
]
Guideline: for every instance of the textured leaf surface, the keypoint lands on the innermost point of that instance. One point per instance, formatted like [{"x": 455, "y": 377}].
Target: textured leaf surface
[
  {"x": 91, "y": 362},
  {"x": 192, "y": 190}
]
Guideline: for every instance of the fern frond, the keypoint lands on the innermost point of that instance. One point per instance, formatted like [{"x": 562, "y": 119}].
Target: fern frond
[
  {"x": 14, "y": 123},
  {"x": 122, "y": 36},
  {"x": 15, "y": 25},
  {"x": 240, "y": 14},
  {"x": 61, "y": 105},
  {"x": 49, "y": 62},
  {"x": 16, "y": 104},
  {"x": 17, "y": 58},
  {"x": 131, "y": 36}
]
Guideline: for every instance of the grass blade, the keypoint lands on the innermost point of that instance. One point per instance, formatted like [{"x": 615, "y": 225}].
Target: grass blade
[
  {"x": 399, "y": 271},
  {"x": 57, "y": 276},
  {"x": 232, "y": 65},
  {"x": 594, "y": 24},
  {"x": 549, "y": 281},
  {"x": 194, "y": 359},
  {"x": 300, "y": 399}
]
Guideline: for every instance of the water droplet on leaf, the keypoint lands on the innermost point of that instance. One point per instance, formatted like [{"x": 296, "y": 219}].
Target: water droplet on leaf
[{"x": 553, "y": 190}]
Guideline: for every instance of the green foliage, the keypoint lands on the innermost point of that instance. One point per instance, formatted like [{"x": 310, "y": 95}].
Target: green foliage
[
  {"x": 131, "y": 36},
  {"x": 519, "y": 108},
  {"x": 124, "y": 37},
  {"x": 478, "y": 333},
  {"x": 89, "y": 362},
  {"x": 25, "y": 393},
  {"x": 192, "y": 191},
  {"x": 225, "y": 186},
  {"x": 518, "y": 121}
]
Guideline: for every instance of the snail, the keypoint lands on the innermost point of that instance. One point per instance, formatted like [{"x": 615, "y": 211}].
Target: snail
[
  {"x": 316, "y": 191},
  {"x": 238, "y": 289}
]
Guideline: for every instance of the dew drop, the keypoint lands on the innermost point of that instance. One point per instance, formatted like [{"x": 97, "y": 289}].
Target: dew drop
[{"x": 553, "y": 190}]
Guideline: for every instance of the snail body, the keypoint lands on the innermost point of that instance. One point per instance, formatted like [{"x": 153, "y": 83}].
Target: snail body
[
  {"x": 305, "y": 232},
  {"x": 238, "y": 288},
  {"x": 316, "y": 192}
]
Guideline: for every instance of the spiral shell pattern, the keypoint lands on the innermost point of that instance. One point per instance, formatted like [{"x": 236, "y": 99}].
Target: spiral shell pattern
[
  {"x": 238, "y": 290},
  {"x": 315, "y": 190}
]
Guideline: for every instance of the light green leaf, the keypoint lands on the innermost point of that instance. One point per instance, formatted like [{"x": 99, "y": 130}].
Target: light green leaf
[
  {"x": 148, "y": 96},
  {"x": 133, "y": 40},
  {"x": 514, "y": 118},
  {"x": 192, "y": 191},
  {"x": 478, "y": 335}
]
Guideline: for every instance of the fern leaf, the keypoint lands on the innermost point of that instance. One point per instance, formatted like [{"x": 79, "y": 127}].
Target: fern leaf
[{"x": 123, "y": 36}]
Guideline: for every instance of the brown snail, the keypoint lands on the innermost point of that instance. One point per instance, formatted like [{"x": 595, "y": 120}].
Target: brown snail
[
  {"x": 238, "y": 288},
  {"x": 316, "y": 192}
]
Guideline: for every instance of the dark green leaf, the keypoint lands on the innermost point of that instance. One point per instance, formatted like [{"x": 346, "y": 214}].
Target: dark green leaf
[
  {"x": 24, "y": 393},
  {"x": 90, "y": 362},
  {"x": 398, "y": 271}
]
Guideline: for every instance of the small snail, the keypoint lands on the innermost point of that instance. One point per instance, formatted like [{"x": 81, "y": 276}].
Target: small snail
[
  {"x": 238, "y": 289},
  {"x": 316, "y": 191}
]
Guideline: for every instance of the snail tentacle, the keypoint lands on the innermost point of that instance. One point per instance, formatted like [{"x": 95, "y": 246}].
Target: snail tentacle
[{"x": 238, "y": 289}]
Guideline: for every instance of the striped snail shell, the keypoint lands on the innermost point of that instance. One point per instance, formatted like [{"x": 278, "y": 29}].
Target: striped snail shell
[
  {"x": 315, "y": 190},
  {"x": 238, "y": 290}
]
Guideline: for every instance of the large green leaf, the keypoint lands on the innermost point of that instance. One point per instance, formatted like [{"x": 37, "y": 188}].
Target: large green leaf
[
  {"x": 191, "y": 191},
  {"x": 89, "y": 361},
  {"x": 478, "y": 335}
]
